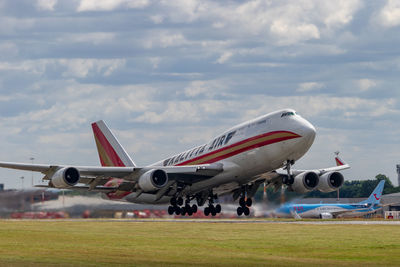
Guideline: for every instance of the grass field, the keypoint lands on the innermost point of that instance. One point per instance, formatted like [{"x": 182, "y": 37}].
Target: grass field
[{"x": 104, "y": 243}]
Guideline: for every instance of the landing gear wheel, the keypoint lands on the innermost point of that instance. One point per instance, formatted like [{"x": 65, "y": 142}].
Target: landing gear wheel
[
  {"x": 242, "y": 202},
  {"x": 249, "y": 202},
  {"x": 171, "y": 210},
  {"x": 179, "y": 201},
  {"x": 239, "y": 211},
  {"x": 218, "y": 208},
  {"x": 207, "y": 211},
  {"x": 173, "y": 201},
  {"x": 212, "y": 210},
  {"x": 177, "y": 210},
  {"x": 188, "y": 210},
  {"x": 246, "y": 211},
  {"x": 194, "y": 208},
  {"x": 183, "y": 211}
]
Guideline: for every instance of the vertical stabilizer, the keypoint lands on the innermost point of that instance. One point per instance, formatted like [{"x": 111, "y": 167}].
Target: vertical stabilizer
[
  {"x": 375, "y": 197},
  {"x": 110, "y": 151},
  {"x": 338, "y": 160}
]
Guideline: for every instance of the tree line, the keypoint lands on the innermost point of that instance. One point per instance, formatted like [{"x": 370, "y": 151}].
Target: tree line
[{"x": 350, "y": 189}]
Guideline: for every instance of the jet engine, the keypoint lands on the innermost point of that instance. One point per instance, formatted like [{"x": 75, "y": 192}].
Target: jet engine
[
  {"x": 305, "y": 182},
  {"x": 153, "y": 180},
  {"x": 330, "y": 181},
  {"x": 65, "y": 177},
  {"x": 326, "y": 215}
]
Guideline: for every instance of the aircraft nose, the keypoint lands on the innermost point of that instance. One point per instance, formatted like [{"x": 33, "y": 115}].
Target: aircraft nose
[{"x": 308, "y": 130}]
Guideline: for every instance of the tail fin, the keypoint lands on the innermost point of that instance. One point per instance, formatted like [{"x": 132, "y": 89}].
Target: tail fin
[
  {"x": 339, "y": 161},
  {"x": 110, "y": 151},
  {"x": 375, "y": 197}
]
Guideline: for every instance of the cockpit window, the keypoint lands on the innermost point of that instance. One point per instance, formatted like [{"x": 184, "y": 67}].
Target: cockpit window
[{"x": 290, "y": 113}]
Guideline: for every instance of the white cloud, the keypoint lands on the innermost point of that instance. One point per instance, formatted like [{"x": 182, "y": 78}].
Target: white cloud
[
  {"x": 164, "y": 39},
  {"x": 389, "y": 16},
  {"x": 155, "y": 62},
  {"x": 224, "y": 57},
  {"x": 366, "y": 84},
  {"x": 320, "y": 105},
  {"x": 157, "y": 19},
  {"x": 46, "y": 4},
  {"x": 109, "y": 5},
  {"x": 182, "y": 111},
  {"x": 95, "y": 38},
  {"x": 338, "y": 13},
  {"x": 285, "y": 22},
  {"x": 205, "y": 88},
  {"x": 309, "y": 86},
  {"x": 287, "y": 34},
  {"x": 78, "y": 68}
]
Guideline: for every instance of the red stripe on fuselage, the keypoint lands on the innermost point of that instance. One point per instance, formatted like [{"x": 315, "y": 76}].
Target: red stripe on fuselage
[{"x": 241, "y": 150}]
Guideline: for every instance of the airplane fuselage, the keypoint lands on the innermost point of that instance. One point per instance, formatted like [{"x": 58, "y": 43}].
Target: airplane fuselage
[
  {"x": 249, "y": 149},
  {"x": 318, "y": 210}
]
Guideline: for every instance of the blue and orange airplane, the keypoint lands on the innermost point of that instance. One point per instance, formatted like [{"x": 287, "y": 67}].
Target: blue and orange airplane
[{"x": 333, "y": 210}]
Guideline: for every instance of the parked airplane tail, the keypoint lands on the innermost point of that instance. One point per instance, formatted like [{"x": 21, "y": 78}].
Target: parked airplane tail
[
  {"x": 375, "y": 197},
  {"x": 339, "y": 161},
  {"x": 111, "y": 152}
]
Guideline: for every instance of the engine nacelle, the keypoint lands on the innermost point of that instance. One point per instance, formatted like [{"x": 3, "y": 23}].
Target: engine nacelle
[
  {"x": 153, "y": 180},
  {"x": 65, "y": 177},
  {"x": 305, "y": 182},
  {"x": 326, "y": 215},
  {"x": 330, "y": 181}
]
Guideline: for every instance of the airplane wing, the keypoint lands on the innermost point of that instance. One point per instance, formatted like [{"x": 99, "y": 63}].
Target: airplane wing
[
  {"x": 100, "y": 175},
  {"x": 328, "y": 178},
  {"x": 322, "y": 171},
  {"x": 340, "y": 166},
  {"x": 388, "y": 204},
  {"x": 338, "y": 213}
]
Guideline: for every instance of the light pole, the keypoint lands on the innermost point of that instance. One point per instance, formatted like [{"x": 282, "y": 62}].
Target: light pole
[
  {"x": 32, "y": 159},
  {"x": 22, "y": 182}
]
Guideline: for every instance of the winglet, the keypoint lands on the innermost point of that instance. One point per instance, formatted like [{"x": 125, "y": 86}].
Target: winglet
[
  {"x": 375, "y": 197},
  {"x": 111, "y": 152}
]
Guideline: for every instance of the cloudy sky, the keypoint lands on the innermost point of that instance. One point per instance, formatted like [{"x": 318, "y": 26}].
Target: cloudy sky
[{"x": 168, "y": 75}]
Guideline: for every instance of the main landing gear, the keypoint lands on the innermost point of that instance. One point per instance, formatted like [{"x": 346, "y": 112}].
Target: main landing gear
[
  {"x": 211, "y": 209},
  {"x": 186, "y": 209},
  {"x": 244, "y": 203},
  {"x": 244, "y": 206}
]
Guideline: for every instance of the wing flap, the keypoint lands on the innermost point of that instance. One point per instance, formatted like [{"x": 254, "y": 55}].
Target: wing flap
[{"x": 102, "y": 189}]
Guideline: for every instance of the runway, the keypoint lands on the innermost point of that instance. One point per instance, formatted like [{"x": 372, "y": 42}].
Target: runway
[{"x": 227, "y": 221}]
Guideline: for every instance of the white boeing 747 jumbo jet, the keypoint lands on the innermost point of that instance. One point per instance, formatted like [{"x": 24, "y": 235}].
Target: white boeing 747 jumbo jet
[{"x": 235, "y": 162}]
